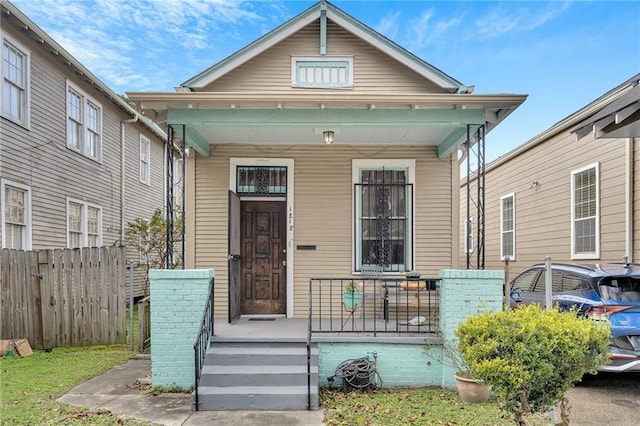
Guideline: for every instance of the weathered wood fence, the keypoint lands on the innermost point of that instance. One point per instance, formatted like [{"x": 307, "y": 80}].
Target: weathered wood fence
[{"x": 62, "y": 298}]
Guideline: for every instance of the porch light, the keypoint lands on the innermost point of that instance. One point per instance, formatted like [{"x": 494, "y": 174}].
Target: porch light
[{"x": 327, "y": 137}]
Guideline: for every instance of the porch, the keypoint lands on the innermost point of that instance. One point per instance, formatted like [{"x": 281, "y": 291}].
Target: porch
[{"x": 280, "y": 363}]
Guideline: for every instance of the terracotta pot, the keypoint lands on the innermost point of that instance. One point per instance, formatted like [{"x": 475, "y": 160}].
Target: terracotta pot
[{"x": 471, "y": 390}]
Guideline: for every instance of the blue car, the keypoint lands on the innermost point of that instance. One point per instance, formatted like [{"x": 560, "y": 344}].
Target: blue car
[{"x": 609, "y": 292}]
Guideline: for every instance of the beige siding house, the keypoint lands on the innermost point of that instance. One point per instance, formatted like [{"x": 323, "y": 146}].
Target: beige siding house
[
  {"x": 77, "y": 163},
  {"x": 571, "y": 192},
  {"x": 317, "y": 150}
]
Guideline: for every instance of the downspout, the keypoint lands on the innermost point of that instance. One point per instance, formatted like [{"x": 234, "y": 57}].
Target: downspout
[
  {"x": 122, "y": 183},
  {"x": 629, "y": 205}
]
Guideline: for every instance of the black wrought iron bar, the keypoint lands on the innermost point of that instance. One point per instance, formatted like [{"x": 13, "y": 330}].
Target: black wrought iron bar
[
  {"x": 203, "y": 339},
  {"x": 408, "y": 306}
]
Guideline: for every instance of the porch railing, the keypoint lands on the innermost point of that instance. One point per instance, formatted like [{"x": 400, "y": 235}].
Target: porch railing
[
  {"x": 203, "y": 339},
  {"x": 383, "y": 305}
]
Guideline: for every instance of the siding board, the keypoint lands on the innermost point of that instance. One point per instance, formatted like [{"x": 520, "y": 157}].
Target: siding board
[
  {"x": 373, "y": 71},
  {"x": 323, "y": 210}
]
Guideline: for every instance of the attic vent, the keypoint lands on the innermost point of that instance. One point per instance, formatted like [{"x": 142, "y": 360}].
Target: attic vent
[{"x": 327, "y": 72}]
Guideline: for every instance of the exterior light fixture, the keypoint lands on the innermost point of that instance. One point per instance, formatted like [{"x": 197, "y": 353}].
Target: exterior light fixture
[{"x": 327, "y": 137}]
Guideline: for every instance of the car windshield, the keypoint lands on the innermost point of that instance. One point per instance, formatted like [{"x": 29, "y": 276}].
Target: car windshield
[{"x": 620, "y": 289}]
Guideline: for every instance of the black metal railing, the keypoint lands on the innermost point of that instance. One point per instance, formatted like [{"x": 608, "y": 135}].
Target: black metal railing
[
  {"x": 384, "y": 305},
  {"x": 203, "y": 339}
]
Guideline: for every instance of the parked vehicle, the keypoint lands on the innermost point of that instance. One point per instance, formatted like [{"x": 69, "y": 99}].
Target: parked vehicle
[{"x": 601, "y": 292}]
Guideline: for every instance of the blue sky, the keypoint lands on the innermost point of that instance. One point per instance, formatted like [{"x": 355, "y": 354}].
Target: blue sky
[{"x": 563, "y": 54}]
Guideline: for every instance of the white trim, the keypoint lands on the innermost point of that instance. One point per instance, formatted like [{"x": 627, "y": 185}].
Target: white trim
[
  {"x": 391, "y": 50},
  {"x": 144, "y": 139},
  {"x": 86, "y": 100},
  {"x": 85, "y": 222},
  {"x": 513, "y": 231},
  {"x": 295, "y": 59},
  {"x": 26, "y": 121},
  {"x": 596, "y": 254},
  {"x": 27, "y": 215},
  {"x": 289, "y": 163},
  {"x": 367, "y": 164}
]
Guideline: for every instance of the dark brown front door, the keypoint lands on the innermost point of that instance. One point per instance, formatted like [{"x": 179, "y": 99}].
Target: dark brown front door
[{"x": 263, "y": 242}]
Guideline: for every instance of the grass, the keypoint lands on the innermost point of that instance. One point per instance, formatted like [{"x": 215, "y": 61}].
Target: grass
[
  {"x": 428, "y": 406},
  {"x": 30, "y": 386}
]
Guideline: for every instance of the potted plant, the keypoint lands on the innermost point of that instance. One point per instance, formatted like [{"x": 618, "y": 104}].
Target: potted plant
[
  {"x": 531, "y": 356},
  {"x": 469, "y": 388},
  {"x": 352, "y": 295}
]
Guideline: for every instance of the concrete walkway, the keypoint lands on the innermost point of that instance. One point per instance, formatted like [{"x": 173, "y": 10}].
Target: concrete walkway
[{"x": 121, "y": 391}]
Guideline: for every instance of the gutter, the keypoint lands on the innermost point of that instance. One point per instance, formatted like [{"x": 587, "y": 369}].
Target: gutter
[
  {"x": 122, "y": 172},
  {"x": 628, "y": 202}
]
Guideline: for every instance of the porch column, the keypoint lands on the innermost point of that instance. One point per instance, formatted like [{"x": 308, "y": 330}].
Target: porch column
[
  {"x": 464, "y": 293},
  {"x": 178, "y": 298}
]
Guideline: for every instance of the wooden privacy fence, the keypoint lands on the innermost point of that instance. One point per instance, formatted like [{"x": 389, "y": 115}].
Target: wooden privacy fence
[{"x": 62, "y": 298}]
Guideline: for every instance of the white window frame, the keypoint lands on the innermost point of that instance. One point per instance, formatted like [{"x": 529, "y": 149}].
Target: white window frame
[
  {"x": 468, "y": 235},
  {"x": 324, "y": 69},
  {"x": 145, "y": 160},
  {"x": 357, "y": 165},
  {"x": 586, "y": 255},
  {"x": 86, "y": 132},
  {"x": 503, "y": 231},
  {"x": 28, "y": 235},
  {"x": 84, "y": 238},
  {"x": 24, "y": 106}
]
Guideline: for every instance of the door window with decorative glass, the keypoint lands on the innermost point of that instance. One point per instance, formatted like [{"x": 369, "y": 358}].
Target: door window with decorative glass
[
  {"x": 84, "y": 123},
  {"x": 585, "y": 235},
  {"x": 383, "y": 222},
  {"x": 15, "y": 81},
  {"x": 16, "y": 216}
]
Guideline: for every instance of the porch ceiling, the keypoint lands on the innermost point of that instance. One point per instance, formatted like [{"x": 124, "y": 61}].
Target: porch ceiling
[{"x": 422, "y": 119}]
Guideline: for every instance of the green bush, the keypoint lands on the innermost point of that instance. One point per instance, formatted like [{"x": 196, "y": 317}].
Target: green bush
[{"x": 531, "y": 356}]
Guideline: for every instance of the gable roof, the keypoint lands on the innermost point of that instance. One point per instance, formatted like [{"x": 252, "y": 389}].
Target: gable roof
[
  {"x": 300, "y": 116},
  {"x": 320, "y": 10},
  {"x": 612, "y": 115}
]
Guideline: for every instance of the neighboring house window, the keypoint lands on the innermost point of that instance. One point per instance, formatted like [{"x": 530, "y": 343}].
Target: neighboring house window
[
  {"x": 585, "y": 222},
  {"x": 16, "y": 215},
  {"x": 15, "y": 81},
  {"x": 145, "y": 155},
  {"x": 325, "y": 71},
  {"x": 84, "y": 224},
  {"x": 84, "y": 123},
  {"x": 507, "y": 227},
  {"x": 383, "y": 201},
  {"x": 468, "y": 238}
]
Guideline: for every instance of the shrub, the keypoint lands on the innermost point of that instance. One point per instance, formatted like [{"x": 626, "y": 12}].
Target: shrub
[{"x": 532, "y": 356}]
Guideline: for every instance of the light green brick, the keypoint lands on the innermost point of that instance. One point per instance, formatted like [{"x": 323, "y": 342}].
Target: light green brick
[{"x": 177, "y": 304}]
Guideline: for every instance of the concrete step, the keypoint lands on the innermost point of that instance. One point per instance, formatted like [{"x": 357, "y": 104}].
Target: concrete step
[
  {"x": 257, "y": 398},
  {"x": 273, "y": 354},
  {"x": 258, "y": 376}
]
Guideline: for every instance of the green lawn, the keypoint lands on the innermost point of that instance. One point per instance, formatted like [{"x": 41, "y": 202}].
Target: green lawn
[
  {"x": 29, "y": 386},
  {"x": 429, "y": 406}
]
